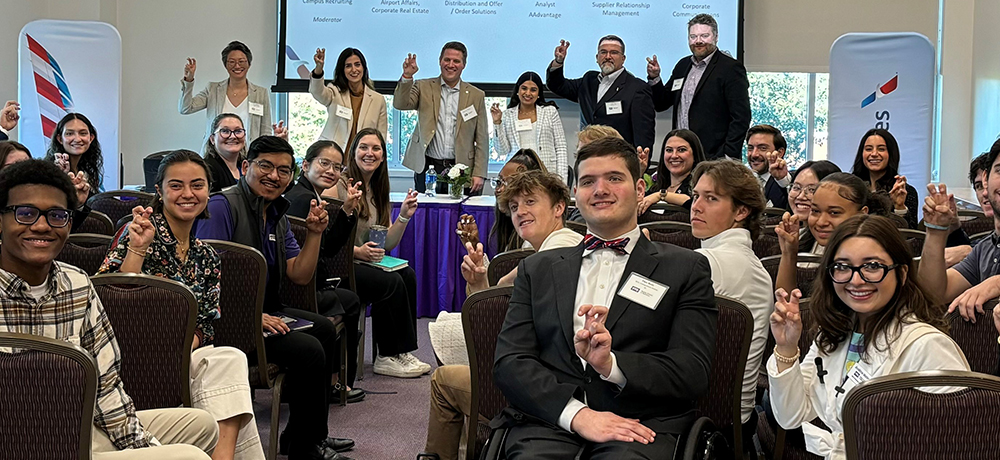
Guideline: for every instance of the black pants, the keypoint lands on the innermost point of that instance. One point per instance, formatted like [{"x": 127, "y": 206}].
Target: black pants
[
  {"x": 440, "y": 166},
  {"x": 345, "y": 303},
  {"x": 393, "y": 296},
  {"x": 304, "y": 355},
  {"x": 543, "y": 442}
]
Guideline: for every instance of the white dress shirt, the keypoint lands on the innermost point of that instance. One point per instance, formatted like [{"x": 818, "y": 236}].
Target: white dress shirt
[
  {"x": 604, "y": 82},
  {"x": 600, "y": 273},
  {"x": 443, "y": 144}
]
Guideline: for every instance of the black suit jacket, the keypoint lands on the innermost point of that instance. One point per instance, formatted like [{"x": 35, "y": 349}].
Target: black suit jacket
[
  {"x": 776, "y": 194},
  {"x": 3, "y": 136},
  {"x": 338, "y": 231},
  {"x": 720, "y": 110},
  {"x": 665, "y": 354},
  {"x": 636, "y": 123}
]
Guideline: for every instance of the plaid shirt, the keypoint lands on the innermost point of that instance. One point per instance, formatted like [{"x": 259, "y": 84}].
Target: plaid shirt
[{"x": 70, "y": 310}]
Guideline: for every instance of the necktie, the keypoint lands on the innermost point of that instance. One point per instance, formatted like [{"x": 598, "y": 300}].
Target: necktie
[{"x": 594, "y": 243}]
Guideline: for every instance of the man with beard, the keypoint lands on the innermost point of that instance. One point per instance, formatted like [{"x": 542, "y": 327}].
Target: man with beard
[
  {"x": 766, "y": 157},
  {"x": 612, "y": 97},
  {"x": 708, "y": 91}
]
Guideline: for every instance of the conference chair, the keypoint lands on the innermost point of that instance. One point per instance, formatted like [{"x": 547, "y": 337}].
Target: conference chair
[
  {"x": 97, "y": 222},
  {"x": 119, "y": 203},
  {"x": 914, "y": 238},
  {"x": 504, "y": 262},
  {"x": 767, "y": 244},
  {"x": 85, "y": 251},
  {"x": 806, "y": 271},
  {"x": 974, "y": 222},
  {"x": 890, "y": 418},
  {"x": 241, "y": 298},
  {"x": 977, "y": 340},
  {"x": 482, "y": 317},
  {"x": 977, "y": 237},
  {"x": 661, "y": 211},
  {"x": 678, "y": 233},
  {"x": 48, "y": 391},
  {"x": 154, "y": 322},
  {"x": 578, "y": 227},
  {"x": 150, "y": 166},
  {"x": 772, "y": 215}
]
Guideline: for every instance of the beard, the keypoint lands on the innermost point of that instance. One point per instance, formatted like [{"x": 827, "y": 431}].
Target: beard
[{"x": 607, "y": 68}]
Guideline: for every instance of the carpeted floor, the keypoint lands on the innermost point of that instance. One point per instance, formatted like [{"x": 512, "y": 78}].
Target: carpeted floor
[{"x": 390, "y": 424}]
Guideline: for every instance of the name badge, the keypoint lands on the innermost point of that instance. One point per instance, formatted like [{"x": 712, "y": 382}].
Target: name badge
[
  {"x": 643, "y": 291},
  {"x": 256, "y": 109},
  {"x": 523, "y": 125},
  {"x": 858, "y": 375},
  {"x": 613, "y": 107},
  {"x": 271, "y": 237},
  {"x": 678, "y": 84},
  {"x": 344, "y": 112},
  {"x": 468, "y": 113}
]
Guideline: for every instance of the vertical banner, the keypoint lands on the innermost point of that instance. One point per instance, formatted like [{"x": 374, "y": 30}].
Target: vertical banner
[
  {"x": 883, "y": 80},
  {"x": 70, "y": 67}
]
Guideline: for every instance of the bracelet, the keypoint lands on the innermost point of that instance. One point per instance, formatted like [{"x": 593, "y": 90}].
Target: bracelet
[
  {"x": 935, "y": 226},
  {"x": 402, "y": 219},
  {"x": 786, "y": 359},
  {"x": 136, "y": 252},
  {"x": 901, "y": 212}
]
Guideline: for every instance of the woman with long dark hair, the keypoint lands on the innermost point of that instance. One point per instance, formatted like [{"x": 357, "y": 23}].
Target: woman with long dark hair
[
  {"x": 531, "y": 122},
  {"x": 877, "y": 163},
  {"x": 225, "y": 150},
  {"x": 350, "y": 99},
  {"x": 681, "y": 152},
  {"x": 74, "y": 146}
]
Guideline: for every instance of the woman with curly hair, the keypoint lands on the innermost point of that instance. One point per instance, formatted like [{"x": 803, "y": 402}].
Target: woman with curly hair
[{"x": 75, "y": 148}]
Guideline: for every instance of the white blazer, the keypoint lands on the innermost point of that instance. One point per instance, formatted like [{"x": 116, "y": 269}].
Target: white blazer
[
  {"x": 213, "y": 99},
  {"x": 338, "y": 128},
  {"x": 549, "y": 135},
  {"x": 798, "y": 396}
]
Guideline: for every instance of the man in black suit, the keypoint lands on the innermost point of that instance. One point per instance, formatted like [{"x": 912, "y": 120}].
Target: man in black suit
[
  {"x": 612, "y": 97},
  {"x": 766, "y": 157},
  {"x": 708, "y": 90},
  {"x": 8, "y": 118},
  {"x": 606, "y": 345}
]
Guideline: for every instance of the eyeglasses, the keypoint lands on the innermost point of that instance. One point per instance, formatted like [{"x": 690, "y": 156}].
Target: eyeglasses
[
  {"x": 28, "y": 215},
  {"x": 498, "y": 183},
  {"x": 614, "y": 53},
  {"x": 871, "y": 272},
  {"x": 704, "y": 37},
  {"x": 226, "y": 132},
  {"x": 323, "y": 163},
  {"x": 809, "y": 190},
  {"x": 242, "y": 62},
  {"x": 267, "y": 167}
]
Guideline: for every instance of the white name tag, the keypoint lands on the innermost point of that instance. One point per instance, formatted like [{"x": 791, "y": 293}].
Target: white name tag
[
  {"x": 613, "y": 107},
  {"x": 256, "y": 109},
  {"x": 344, "y": 112},
  {"x": 468, "y": 113},
  {"x": 271, "y": 237},
  {"x": 643, "y": 291},
  {"x": 523, "y": 125},
  {"x": 678, "y": 84},
  {"x": 858, "y": 375}
]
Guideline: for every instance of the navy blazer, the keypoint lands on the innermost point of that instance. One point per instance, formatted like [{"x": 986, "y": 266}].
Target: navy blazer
[
  {"x": 776, "y": 194},
  {"x": 3, "y": 136},
  {"x": 720, "y": 110},
  {"x": 636, "y": 123}
]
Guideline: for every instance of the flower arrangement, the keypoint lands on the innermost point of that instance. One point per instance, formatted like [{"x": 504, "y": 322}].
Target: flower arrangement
[{"x": 457, "y": 178}]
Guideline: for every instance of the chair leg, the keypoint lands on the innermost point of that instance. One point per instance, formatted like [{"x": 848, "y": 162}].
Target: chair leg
[
  {"x": 272, "y": 448},
  {"x": 361, "y": 343},
  {"x": 342, "y": 375},
  {"x": 779, "y": 443}
]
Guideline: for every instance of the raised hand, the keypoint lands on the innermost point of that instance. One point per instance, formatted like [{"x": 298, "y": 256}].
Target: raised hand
[
  {"x": 189, "y": 69},
  {"x": 603, "y": 427},
  {"x": 898, "y": 193},
  {"x": 410, "y": 66},
  {"x": 82, "y": 186},
  {"x": 141, "y": 230},
  {"x": 319, "y": 58},
  {"x": 652, "y": 68},
  {"x": 786, "y": 323},
  {"x": 62, "y": 161},
  {"x": 473, "y": 266},
  {"x": 409, "y": 206},
  {"x": 643, "y": 154},
  {"x": 318, "y": 217},
  {"x": 497, "y": 113},
  {"x": 647, "y": 202},
  {"x": 776, "y": 165},
  {"x": 788, "y": 234},
  {"x": 939, "y": 207},
  {"x": 468, "y": 230},
  {"x": 560, "y": 53},
  {"x": 280, "y": 130},
  {"x": 353, "y": 197},
  {"x": 593, "y": 342},
  {"x": 9, "y": 115}
]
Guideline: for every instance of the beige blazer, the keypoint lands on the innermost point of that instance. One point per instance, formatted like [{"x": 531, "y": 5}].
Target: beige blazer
[
  {"x": 471, "y": 137},
  {"x": 338, "y": 129},
  {"x": 213, "y": 98}
]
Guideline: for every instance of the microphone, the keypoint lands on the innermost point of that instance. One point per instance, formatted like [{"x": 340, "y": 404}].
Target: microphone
[{"x": 819, "y": 370}]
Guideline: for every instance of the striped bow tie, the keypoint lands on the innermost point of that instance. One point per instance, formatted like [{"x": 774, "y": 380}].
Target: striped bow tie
[{"x": 593, "y": 243}]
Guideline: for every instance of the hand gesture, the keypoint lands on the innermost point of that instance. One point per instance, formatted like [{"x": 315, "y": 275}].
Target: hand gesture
[
  {"x": 497, "y": 113},
  {"x": 82, "y": 186},
  {"x": 274, "y": 325},
  {"x": 643, "y": 154},
  {"x": 788, "y": 234},
  {"x": 62, "y": 161},
  {"x": 971, "y": 301},
  {"x": 560, "y": 53},
  {"x": 280, "y": 130},
  {"x": 647, "y": 202},
  {"x": 786, "y": 324},
  {"x": 141, "y": 230},
  {"x": 473, "y": 267},
  {"x": 318, "y": 217},
  {"x": 319, "y": 58},
  {"x": 776, "y": 165},
  {"x": 593, "y": 342},
  {"x": 939, "y": 207},
  {"x": 9, "y": 115},
  {"x": 409, "y": 206},
  {"x": 603, "y": 427},
  {"x": 652, "y": 68},
  {"x": 410, "y": 66},
  {"x": 898, "y": 193},
  {"x": 353, "y": 198},
  {"x": 369, "y": 252},
  {"x": 189, "y": 69},
  {"x": 477, "y": 184},
  {"x": 468, "y": 230}
]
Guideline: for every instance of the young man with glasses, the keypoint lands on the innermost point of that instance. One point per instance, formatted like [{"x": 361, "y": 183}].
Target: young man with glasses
[
  {"x": 253, "y": 213},
  {"x": 56, "y": 300}
]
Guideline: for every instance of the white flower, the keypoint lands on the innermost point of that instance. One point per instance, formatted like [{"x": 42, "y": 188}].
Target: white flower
[{"x": 454, "y": 172}]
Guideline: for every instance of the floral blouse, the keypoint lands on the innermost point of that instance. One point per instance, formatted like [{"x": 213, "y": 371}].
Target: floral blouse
[{"x": 201, "y": 272}]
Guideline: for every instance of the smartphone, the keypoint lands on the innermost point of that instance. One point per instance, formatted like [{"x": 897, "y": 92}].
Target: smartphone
[{"x": 333, "y": 283}]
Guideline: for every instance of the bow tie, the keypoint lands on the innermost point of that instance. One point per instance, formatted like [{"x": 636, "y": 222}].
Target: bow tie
[{"x": 593, "y": 243}]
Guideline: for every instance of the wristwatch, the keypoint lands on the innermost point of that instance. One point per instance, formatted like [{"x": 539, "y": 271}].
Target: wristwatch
[{"x": 663, "y": 195}]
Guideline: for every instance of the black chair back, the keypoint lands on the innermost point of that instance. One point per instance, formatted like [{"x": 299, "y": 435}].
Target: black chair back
[
  {"x": 119, "y": 203},
  {"x": 978, "y": 340},
  {"x": 677, "y": 233},
  {"x": 85, "y": 251},
  {"x": 482, "y": 317},
  {"x": 97, "y": 222},
  {"x": 504, "y": 262}
]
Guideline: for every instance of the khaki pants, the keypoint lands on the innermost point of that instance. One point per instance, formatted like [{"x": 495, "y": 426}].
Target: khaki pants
[
  {"x": 451, "y": 401},
  {"x": 185, "y": 434}
]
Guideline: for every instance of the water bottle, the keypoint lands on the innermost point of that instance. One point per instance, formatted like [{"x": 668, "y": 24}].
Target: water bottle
[{"x": 432, "y": 181}]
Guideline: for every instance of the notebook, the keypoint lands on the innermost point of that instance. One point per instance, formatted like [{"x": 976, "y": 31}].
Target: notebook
[
  {"x": 293, "y": 323},
  {"x": 388, "y": 263}
]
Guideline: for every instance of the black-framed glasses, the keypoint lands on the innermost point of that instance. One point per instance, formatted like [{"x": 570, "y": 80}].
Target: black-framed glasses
[
  {"x": 28, "y": 215},
  {"x": 809, "y": 190},
  {"x": 267, "y": 167},
  {"x": 323, "y": 163},
  {"x": 226, "y": 132},
  {"x": 871, "y": 272}
]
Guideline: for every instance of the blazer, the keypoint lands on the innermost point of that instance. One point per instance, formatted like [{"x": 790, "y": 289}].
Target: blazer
[
  {"x": 549, "y": 135},
  {"x": 636, "y": 123},
  {"x": 776, "y": 194},
  {"x": 338, "y": 129},
  {"x": 213, "y": 100},
  {"x": 664, "y": 353},
  {"x": 720, "y": 110},
  {"x": 3, "y": 136},
  {"x": 472, "y": 138}
]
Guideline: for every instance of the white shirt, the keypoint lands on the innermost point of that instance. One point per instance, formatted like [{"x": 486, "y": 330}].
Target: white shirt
[
  {"x": 600, "y": 272},
  {"x": 242, "y": 110},
  {"x": 737, "y": 273},
  {"x": 528, "y": 139},
  {"x": 443, "y": 143},
  {"x": 604, "y": 82},
  {"x": 37, "y": 292}
]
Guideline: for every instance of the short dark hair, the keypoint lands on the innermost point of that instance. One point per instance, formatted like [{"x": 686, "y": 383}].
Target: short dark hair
[
  {"x": 705, "y": 19},
  {"x": 851, "y": 188},
  {"x": 319, "y": 146},
  {"x": 534, "y": 180},
  {"x": 979, "y": 163},
  {"x": 8, "y": 147},
  {"x": 992, "y": 156},
  {"x": 778, "y": 138},
  {"x": 820, "y": 168},
  {"x": 269, "y": 144},
  {"x": 36, "y": 172},
  {"x": 457, "y": 46},
  {"x": 170, "y": 159},
  {"x": 739, "y": 183},
  {"x": 610, "y": 146},
  {"x": 613, "y": 38},
  {"x": 236, "y": 45}
]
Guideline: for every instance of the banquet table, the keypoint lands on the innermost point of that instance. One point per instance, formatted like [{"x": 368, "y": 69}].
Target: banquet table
[{"x": 434, "y": 251}]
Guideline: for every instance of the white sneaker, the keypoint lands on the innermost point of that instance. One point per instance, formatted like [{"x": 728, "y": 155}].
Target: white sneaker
[
  {"x": 426, "y": 368},
  {"x": 397, "y": 366}
]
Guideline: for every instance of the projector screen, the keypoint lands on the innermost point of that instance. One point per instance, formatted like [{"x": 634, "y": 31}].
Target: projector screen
[{"x": 505, "y": 37}]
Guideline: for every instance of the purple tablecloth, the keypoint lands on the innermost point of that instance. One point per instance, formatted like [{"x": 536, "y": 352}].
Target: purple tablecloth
[{"x": 435, "y": 252}]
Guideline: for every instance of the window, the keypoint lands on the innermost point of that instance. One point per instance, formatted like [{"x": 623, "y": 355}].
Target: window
[{"x": 795, "y": 103}]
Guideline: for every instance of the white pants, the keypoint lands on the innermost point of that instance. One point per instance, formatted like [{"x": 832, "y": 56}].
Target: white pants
[{"x": 219, "y": 386}]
